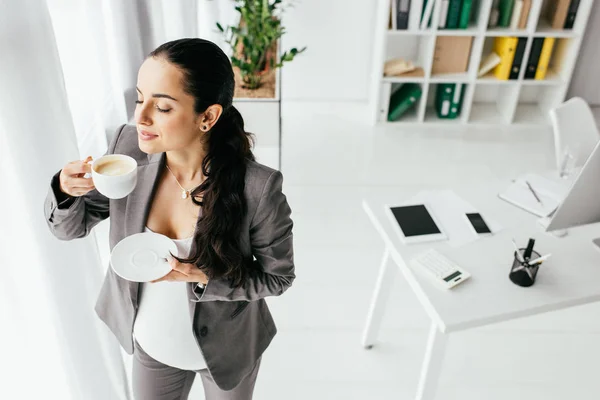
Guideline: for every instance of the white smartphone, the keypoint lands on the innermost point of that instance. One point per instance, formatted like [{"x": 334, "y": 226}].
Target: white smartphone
[{"x": 478, "y": 224}]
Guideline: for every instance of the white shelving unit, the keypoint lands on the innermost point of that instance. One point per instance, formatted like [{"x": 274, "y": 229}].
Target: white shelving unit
[{"x": 487, "y": 100}]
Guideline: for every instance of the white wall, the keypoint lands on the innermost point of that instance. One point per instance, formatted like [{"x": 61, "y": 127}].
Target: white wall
[
  {"x": 336, "y": 65},
  {"x": 339, "y": 35}
]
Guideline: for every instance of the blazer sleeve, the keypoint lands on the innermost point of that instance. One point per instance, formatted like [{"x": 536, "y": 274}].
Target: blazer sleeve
[
  {"x": 272, "y": 245},
  {"x": 74, "y": 217}
]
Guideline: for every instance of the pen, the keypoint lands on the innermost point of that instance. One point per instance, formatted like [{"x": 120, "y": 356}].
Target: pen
[
  {"x": 517, "y": 252},
  {"x": 539, "y": 260},
  {"x": 534, "y": 193},
  {"x": 529, "y": 249}
]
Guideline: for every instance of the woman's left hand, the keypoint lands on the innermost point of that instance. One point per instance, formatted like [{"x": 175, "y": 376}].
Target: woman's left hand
[{"x": 183, "y": 273}]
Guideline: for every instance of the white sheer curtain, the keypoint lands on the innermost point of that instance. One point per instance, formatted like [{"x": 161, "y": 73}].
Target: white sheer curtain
[
  {"x": 103, "y": 43},
  {"x": 68, "y": 71},
  {"x": 51, "y": 286}
]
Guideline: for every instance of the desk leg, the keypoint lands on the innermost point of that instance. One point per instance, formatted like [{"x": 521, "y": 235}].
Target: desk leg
[
  {"x": 387, "y": 273},
  {"x": 432, "y": 366}
]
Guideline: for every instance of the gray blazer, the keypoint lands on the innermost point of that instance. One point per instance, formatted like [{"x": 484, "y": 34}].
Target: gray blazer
[{"x": 232, "y": 326}]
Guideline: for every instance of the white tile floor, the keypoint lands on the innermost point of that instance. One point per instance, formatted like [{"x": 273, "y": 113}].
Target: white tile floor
[{"x": 328, "y": 162}]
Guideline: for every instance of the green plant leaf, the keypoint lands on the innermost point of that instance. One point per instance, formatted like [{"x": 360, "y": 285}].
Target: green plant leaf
[{"x": 252, "y": 40}]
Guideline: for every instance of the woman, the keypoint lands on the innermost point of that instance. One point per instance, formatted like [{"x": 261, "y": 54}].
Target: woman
[{"x": 198, "y": 184}]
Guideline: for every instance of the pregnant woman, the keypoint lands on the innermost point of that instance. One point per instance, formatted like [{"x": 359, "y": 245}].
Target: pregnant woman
[{"x": 199, "y": 185}]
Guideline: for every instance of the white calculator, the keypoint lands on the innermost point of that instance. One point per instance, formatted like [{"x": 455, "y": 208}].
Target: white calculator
[{"x": 441, "y": 270}]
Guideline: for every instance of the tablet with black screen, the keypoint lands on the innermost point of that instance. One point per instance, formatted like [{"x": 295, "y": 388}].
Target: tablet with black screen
[{"x": 415, "y": 223}]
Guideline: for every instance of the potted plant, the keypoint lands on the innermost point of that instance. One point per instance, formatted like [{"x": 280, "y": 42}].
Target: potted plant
[{"x": 254, "y": 43}]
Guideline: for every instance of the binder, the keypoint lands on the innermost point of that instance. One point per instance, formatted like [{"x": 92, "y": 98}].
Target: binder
[
  {"x": 457, "y": 97},
  {"x": 505, "y": 7},
  {"x": 443, "y": 13},
  {"x": 505, "y": 47},
  {"x": 451, "y": 54},
  {"x": 454, "y": 9},
  {"x": 494, "y": 15},
  {"x": 426, "y": 13},
  {"x": 384, "y": 100},
  {"x": 403, "y": 99},
  {"x": 557, "y": 13},
  {"x": 545, "y": 54},
  {"x": 571, "y": 14},
  {"x": 465, "y": 14},
  {"x": 534, "y": 56},
  {"x": 524, "y": 14},
  {"x": 443, "y": 100},
  {"x": 518, "y": 59},
  {"x": 516, "y": 14},
  {"x": 402, "y": 14}
]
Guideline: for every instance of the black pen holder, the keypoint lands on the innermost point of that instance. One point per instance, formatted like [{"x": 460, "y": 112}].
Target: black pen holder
[{"x": 522, "y": 274}]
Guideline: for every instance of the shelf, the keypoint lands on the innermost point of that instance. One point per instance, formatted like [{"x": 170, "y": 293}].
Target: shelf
[
  {"x": 544, "y": 29},
  {"x": 413, "y": 48},
  {"x": 472, "y": 31},
  {"x": 529, "y": 114},
  {"x": 418, "y": 75},
  {"x": 402, "y": 79},
  {"x": 493, "y": 103},
  {"x": 487, "y": 100},
  {"x": 485, "y": 113},
  {"x": 499, "y": 32},
  {"x": 490, "y": 78},
  {"x": 411, "y": 116},
  {"x": 409, "y": 32},
  {"x": 450, "y": 78},
  {"x": 534, "y": 103},
  {"x": 552, "y": 78},
  {"x": 431, "y": 117}
]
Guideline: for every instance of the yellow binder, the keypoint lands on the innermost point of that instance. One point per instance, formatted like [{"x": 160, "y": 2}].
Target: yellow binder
[
  {"x": 542, "y": 67},
  {"x": 505, "y": 48}
]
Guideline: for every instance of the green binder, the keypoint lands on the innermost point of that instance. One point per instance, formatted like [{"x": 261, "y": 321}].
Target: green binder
[
  {"x": 465, "y": 14},
  {"x": 423, "y": 13},
  {"x": 505, "y": 9},
  {"x": 454, "y": 10},
  {"x": 443, "y": 99},
  {"x": 403, "y": 99},
  {"x": 457, "y": 98},
  {"x": 448, "y": 100}
]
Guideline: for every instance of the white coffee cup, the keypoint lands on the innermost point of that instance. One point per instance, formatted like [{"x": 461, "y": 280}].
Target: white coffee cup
[{"x": 114, "y": 175}]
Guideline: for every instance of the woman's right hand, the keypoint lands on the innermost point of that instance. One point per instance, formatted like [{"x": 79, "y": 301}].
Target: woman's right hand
[{"x": 72, "y": 181}]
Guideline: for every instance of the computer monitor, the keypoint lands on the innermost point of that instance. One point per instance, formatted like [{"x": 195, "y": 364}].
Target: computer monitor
[{"x": 581, "y": 205}]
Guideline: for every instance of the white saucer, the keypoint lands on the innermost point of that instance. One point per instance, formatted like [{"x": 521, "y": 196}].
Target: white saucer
[{"x": 142, "y": 257}]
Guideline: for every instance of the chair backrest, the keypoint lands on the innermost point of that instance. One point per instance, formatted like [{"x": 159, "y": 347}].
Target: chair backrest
[{"x": 574, "y": 128}]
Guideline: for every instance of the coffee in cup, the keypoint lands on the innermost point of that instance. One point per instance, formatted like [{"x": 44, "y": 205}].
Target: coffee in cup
[
  {"x": 113, "y": 167},
  {"x": 114, "y": 175}
]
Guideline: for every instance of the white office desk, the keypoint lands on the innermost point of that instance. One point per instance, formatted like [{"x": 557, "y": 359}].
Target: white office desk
[{"x": 570, "y": 277}]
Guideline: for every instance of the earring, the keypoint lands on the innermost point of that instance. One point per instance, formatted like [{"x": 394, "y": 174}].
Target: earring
[{"x": 204, "y": 128}]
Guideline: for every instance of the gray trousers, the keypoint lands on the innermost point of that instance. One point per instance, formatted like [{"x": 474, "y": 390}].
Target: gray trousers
[{"x": 153, "y": 380}]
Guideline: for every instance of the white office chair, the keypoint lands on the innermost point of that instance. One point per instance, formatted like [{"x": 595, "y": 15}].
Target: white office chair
[{"x": 574, "y": 129}]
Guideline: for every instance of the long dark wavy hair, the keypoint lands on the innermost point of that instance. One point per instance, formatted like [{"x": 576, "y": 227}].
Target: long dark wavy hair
[{"x": 208, "y": 76}]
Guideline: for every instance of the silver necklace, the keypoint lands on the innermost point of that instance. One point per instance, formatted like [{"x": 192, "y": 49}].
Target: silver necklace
[{"x": 184, "y": 192}]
